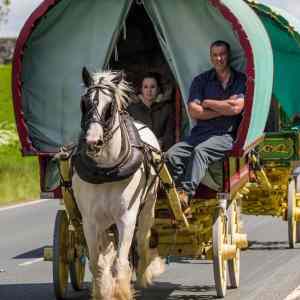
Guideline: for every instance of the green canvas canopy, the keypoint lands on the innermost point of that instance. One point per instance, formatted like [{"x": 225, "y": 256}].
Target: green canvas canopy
[
  {"x": 62, "y": 36},
  {"x": 284, "y": 33}
]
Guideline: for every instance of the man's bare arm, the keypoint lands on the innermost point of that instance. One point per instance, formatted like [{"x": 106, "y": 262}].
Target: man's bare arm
[
  {"x": 197, "y": 112},
  {"x": 230, "y": 107}
]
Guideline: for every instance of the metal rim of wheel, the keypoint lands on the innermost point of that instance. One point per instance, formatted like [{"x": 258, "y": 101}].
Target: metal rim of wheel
[
  {"x": 219, "y": 263},
  {"x": 291, "y": 213},
  {"x": 77, "y": 270},
  {"x": 60, "y": 248},
  {"x": 234, "y": 264}
]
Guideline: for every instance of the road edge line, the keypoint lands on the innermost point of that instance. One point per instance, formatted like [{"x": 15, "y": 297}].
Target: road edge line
[
  {"x": 30, "y": 262},
  {"x": 23, "y": 204}
]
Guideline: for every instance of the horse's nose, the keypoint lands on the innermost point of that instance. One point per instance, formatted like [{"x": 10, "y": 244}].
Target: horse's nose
[
  {"x": 91, "y": 140},
  {"x": 94, "y": 134},
  {"x": 94, "y": 143},
  {"x": 92, "y": 137}
]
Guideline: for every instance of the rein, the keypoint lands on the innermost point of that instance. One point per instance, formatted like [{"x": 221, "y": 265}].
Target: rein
[{"x": 93, "y": 116}]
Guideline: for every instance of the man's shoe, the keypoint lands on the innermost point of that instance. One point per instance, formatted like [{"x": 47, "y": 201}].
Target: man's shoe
[
  {"x": 185, "y": 203},
  {"x": 184, "y": 199}
]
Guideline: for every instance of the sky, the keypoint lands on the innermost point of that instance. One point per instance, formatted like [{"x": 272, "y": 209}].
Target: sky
[{"x": 20, "y": 10}]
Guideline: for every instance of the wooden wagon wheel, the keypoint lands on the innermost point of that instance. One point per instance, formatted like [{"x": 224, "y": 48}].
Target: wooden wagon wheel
[
  {"x": 220, "y": 265},
  {"x": 60, "y": 260},
  {"x": 77, "y": 272},
  {"x": 292, "y": 224},
  {"x": 77, "y": 266},
  {"x": 233, "y": 214}
]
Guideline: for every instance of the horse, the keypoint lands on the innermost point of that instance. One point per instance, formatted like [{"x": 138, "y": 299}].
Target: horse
[{"x": 126, "y": 204}]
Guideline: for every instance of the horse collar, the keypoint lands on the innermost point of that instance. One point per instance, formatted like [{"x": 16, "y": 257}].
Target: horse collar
[{"x": 126, "y": 165}]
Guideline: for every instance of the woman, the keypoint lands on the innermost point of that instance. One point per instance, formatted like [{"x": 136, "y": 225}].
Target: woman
[{"x": 154, "y": 110}]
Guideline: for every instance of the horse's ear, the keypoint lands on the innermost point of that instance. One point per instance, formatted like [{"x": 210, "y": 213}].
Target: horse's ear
[
  {"x": 118, "y": 78},
  {"x": 86, "y": 77}
]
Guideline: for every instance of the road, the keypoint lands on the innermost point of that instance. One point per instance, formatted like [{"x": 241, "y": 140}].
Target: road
[{"x": 269, "y": 269}]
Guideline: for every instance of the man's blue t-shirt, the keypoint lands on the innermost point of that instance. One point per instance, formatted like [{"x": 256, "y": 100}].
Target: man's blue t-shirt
[{"x": 207, "y": 86}]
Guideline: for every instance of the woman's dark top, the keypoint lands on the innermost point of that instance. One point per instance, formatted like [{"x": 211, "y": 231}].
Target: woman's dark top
[{"x": 160, "y": 118}]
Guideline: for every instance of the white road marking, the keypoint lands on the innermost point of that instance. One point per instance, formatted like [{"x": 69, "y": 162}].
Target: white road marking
[
  {"x": 24, "y": 204},
  {"x": 30, "y": 262}
]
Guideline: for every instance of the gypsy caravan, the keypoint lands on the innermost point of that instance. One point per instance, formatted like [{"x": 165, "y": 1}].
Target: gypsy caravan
[{"x": 170, "y": 37}]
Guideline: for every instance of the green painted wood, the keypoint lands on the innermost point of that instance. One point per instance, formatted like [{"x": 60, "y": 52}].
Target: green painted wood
[{"x": 284, "y": 33}]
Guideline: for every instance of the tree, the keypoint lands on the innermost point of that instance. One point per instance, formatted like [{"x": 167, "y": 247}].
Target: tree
[{"x": 4, "y": 9}]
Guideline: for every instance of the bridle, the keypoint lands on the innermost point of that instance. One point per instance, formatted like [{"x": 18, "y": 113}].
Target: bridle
[{"x": 91, "y": 114}]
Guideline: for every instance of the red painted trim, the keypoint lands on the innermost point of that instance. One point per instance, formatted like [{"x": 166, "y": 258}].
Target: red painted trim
[
  {"x": 26, "y": 144},
  {"x": 204, "y": 192},
  {"x": 236, "y": 178},
  {"x": 250, "y": 72}
]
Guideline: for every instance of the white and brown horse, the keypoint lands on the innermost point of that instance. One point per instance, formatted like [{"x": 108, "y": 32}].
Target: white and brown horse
[{"x": 123, "y": 203}]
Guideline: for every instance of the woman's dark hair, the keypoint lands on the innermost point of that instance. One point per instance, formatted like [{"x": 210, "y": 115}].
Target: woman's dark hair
[
  {"x": 156, "y": 76},
  {"x": 220, "y": 43}
]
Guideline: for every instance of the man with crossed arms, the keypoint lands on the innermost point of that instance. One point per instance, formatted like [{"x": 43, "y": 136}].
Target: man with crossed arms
[{"x": 216, "y": 101}]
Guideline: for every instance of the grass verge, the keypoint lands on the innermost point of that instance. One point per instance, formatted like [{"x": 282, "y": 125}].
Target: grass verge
[{"x": 19, "y": 176}]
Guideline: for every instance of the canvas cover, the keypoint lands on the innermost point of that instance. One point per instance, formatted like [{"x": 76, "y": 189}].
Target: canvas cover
[
  {"x": 284, "y": 32},
  {"x": 71, "y": 35},
  {"x": 74, "y": 34}
]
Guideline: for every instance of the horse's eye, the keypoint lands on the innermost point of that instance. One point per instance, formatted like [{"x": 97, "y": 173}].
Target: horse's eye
[{"x": 108, "y": 112}]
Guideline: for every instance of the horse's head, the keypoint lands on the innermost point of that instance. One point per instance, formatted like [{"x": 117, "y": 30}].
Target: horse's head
[{"x": 106, "y": 95}]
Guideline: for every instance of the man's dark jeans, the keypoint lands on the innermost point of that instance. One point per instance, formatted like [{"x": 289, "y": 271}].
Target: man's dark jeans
[{"x": 188, "y": 163}]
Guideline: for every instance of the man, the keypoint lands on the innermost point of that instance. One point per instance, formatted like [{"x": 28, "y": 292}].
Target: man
[{"x": 216, "y": 101}]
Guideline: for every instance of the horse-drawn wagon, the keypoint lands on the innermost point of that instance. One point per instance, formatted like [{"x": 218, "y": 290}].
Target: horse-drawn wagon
[
  {"x": 173, "y": 38},
  {"x": 274, "y": 188}
]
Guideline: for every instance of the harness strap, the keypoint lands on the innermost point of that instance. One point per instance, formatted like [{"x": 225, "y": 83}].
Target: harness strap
[
  {"x": 168, "y": 185},
  {"x": 66, "y": 172},
  {"x": 147, "y": 161}
]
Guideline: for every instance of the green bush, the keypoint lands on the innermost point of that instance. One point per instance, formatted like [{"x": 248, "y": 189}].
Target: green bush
[{"x": 8, "y": 135}]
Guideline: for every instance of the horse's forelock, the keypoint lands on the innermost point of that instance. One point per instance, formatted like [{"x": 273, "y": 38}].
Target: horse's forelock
[{"x": 123, "y": 90}]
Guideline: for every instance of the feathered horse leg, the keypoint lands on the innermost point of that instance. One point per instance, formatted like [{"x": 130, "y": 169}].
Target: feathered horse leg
[
  {"x": 92, "y": 243},
  {"x": 126, "y": 227},
  {"x": 102, "y": 255},
  {"x": 149, "y": 264}
]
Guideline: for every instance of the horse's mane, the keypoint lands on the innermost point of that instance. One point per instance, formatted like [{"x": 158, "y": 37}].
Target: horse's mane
[{"x": 123, "y": 90}]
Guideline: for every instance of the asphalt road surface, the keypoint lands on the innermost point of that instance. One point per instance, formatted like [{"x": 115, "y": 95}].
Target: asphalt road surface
[{"x": 269, "y": 269}]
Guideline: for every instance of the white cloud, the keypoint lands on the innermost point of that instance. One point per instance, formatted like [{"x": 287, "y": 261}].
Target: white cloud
[{"x": 21, "y": 9}]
